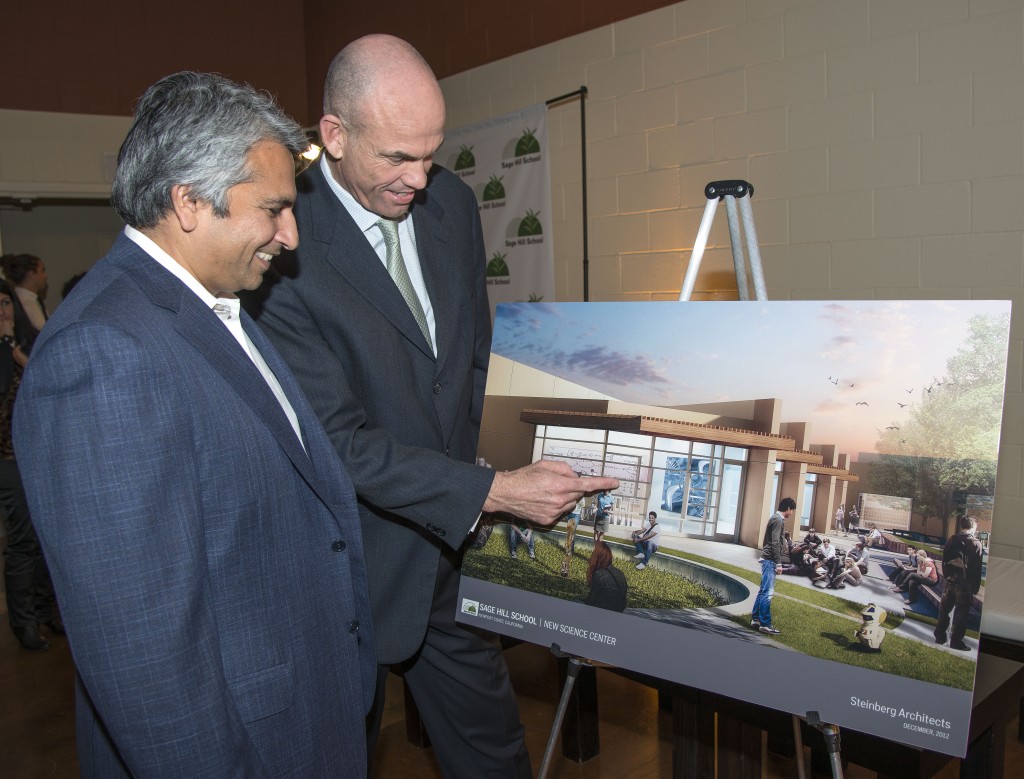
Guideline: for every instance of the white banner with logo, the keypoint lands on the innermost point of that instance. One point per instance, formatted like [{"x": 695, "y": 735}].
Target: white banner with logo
[{"x": 505, "y": 161}]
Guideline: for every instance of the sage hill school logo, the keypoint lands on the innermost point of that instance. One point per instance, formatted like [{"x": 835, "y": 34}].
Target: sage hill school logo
[
  {"x": 525, "y": 232},
  {"x": 470, "y": 607},
  {"x": 497, "y": 270},
  {"x": 492, "y": 195},
  {"x": 527, "y": 143},
  {"x": 465, "y": 162},
  {"x": 525, "y": 149}
]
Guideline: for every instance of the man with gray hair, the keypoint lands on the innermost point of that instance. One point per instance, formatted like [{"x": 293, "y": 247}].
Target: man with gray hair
[{"x": 201, "y": 530}]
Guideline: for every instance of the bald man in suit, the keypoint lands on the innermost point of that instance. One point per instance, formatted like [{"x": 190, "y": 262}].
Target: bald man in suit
[{"x": 394, "y": 360}]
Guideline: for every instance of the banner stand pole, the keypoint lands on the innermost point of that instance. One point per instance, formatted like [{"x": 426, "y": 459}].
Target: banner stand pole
[
  {"x": 582, "y": 94},
  {"x": 576, "y": 664}
]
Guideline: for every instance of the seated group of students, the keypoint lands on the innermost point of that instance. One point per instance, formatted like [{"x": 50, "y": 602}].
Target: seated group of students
[
  {"x": 915, "y": 571},
  {"x": 822, "y": 563}
]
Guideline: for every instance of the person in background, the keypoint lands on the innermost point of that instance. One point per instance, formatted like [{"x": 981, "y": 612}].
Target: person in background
[
  {"x": 27, "y": 586},
  {"x": 874, "y": 537},
  {"x": 812, "y": 540},
  {"x": 771, "y": 564},
  {"x": 853, "y": 519},
  {"x": 861, "y": 555},
  {"x": 26, "y": 275},
  {"x": 603, "y": 515},
  {"x": 961, "y": 571},
  {"x": 925, "y": 574},
  {"x": 646, "y": 541},
  {"x": 519, "y": 531},
  {"x": 905, "y": 565},
  {"x": 608, "y": 588},
  {"x": 848, "y": 574}
]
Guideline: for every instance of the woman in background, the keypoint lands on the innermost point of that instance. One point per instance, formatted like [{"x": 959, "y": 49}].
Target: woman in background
[
  {"x": 607, "y": 583},
  {"x": 29, "y": 591}
]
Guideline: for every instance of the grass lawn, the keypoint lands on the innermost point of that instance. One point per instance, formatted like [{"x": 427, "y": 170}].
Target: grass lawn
[
  {"x": 650, "y": 589},
  {"x": 814, "y": 622}
]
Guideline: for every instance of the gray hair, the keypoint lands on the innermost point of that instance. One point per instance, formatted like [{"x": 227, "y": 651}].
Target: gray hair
[{"x": 196, "y": 130}]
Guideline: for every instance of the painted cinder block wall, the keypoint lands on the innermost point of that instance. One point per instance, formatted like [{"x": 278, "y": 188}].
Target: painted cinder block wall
[{"x": 884, "y": 139}]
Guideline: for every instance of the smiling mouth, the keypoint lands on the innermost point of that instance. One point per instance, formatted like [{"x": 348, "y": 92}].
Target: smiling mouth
[{"x": 265, "y": 256}]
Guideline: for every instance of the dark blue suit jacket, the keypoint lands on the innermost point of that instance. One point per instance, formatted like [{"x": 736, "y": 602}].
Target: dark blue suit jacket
[
  {"x": 405, "y": 423},
  {"x": 210, "y": 571}
]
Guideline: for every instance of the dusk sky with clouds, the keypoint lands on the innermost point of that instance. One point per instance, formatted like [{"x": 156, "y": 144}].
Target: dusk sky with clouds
[{"x": 842, "y": 366}]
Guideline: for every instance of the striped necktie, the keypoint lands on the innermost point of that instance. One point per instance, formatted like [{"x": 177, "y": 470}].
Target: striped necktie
[{"x": 400, "y": 273}]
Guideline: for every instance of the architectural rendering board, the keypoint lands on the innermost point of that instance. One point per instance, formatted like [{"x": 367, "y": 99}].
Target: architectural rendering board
[{"x": 880, "y": 419}]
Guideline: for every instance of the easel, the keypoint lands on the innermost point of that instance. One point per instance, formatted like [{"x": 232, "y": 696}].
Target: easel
[
  {"x": 733, "y": 192},
  {"x": 730, "y": 191}
]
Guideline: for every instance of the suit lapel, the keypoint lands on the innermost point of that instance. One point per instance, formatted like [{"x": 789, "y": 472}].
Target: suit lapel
[
  {"x": 433, "y": 246},
  {"x": 201, "y": 328},
  {"x": 349, "y": 253}
]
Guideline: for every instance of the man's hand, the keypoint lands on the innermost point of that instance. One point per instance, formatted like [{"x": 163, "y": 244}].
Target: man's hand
[{"x": 542, "y": 492}]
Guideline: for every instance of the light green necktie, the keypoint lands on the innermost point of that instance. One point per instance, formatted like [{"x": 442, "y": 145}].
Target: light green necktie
[{"x": 398, "y": 271}]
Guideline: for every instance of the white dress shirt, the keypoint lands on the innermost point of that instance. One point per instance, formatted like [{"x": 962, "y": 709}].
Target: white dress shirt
[
  {"x": 33, "y": 306},
  {"x": 228, "y": 311},
  {"x": 367, "y": 222}
]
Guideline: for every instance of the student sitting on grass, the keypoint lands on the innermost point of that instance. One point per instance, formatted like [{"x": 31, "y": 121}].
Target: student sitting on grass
[{"x": 608, "y": 586}]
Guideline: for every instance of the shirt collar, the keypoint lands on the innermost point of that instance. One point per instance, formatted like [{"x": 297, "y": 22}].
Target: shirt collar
[
  {"x": 225, "y": 307},
  {"x": 365, "y": 220}
]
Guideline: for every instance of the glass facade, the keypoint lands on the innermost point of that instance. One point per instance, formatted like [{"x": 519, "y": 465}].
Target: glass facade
[{"x": 694, "y": 487}]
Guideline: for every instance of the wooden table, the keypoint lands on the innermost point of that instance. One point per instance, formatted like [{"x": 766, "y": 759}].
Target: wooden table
[
  {"x": 997, "y": 697},
  {"x": 709, "y": 728}
]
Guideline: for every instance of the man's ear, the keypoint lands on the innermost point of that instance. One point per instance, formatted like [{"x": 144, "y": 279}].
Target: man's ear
[
  {"x": 186, "y": 208},
  {"x": 334, "y": 135}
]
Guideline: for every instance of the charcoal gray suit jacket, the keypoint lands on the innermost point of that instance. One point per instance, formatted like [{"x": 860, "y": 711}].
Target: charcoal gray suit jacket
[{"x": 405, "y": 422}]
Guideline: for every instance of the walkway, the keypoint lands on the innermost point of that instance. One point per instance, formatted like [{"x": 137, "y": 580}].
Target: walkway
[{"x": 874, "y": 588}]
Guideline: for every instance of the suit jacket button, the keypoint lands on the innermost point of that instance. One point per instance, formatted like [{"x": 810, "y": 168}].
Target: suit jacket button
[
  {"x": 437, "y": 388},
  {"x": 354, "y": 627},
  {"x": 338, "y": 546}
]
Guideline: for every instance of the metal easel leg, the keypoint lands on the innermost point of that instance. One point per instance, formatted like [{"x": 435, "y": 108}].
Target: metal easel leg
[
  {"x": 753, "y": 248},
  {"x": 698, "y": 248},
  {"x": 738, "y": 261},
  {"x": 730, "y": 191},
  {"x": 575, "y": 665},
  {"x": 831, "y": 734}
]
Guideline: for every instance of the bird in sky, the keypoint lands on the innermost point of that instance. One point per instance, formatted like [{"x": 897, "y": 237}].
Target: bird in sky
[
  {"x": 910, "y": 390},
  {"x": 892, "y": 427},
  {"x": 901, "y": 405},
  {"x": 862, "y": 403}
]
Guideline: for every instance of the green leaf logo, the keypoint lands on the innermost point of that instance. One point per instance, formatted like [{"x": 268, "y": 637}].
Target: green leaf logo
[
  {"x": 465, "y": 159},
  {"x": 494, "y": 190},
  {"x": 497, "y": 266},
  {"x": 527, "y": 143},
  {"x": 530, "y": 224},
  {"x": 535, "y": 298}
]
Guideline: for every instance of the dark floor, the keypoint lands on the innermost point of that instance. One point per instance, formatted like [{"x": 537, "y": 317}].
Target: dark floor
[{"x": 37, "y": 722}]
